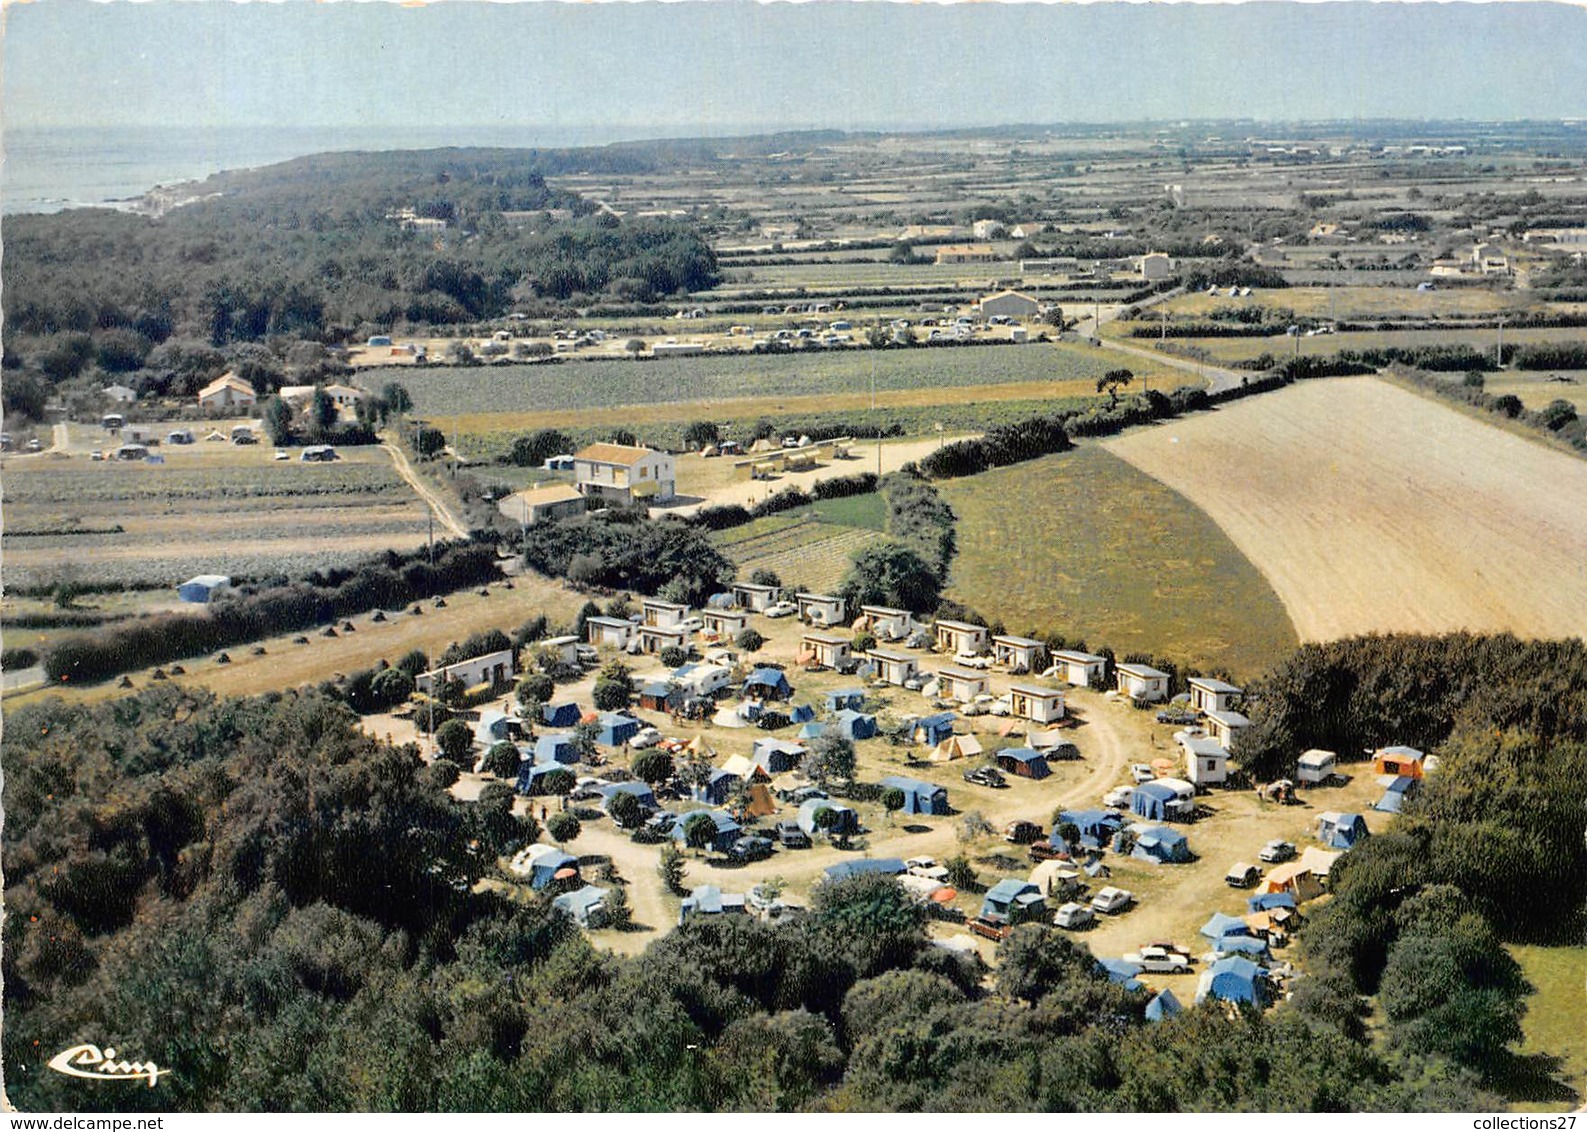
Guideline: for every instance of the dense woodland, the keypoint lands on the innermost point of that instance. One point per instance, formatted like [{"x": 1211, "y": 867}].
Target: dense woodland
[
  {"x": 308, "y": 250},
  {"x": 281, "y": 909}
]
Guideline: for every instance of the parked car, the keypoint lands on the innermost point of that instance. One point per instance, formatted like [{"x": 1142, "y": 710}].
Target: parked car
[
  {"x": 1022, "y": 832},
  {"x": 1275, "y": 851},
  {"x": 587, "y": 790},
  {"x": 926, "y": 867},
  {"x": 661, "y": 824},
  {"x": 692, "y": 624},
  {"x": 986, "y": 776},
  {"x": 791, "y": 836},
  {"x": 1177, "y": 715},
  {"x": 1118, "y": 798},
  {"x": 915, "y": 683},
  {"x": 1242, "y": 875},
  {"x": 281, "y": 454},
  {"x": 1160, "y": 960},
  {"x": 96, "y": 454},
  {"x": 974, "y": 707},
  {"x": 35, "y": 445},
  {"x": 1074, "y": 916},
  {"x": 781, "y": 609},
  {"x": 1046, "y": 851},
  {"x": 645, "y": 737},
  {"x": 1140, "y": 772},
  {"x": 1004, "y": 705},
  {"x": 1112, "y": 901},
  {"x": 971, "y": 660},
  {"x": 751, "y": 849},
  {"x": 587, "y": 654}
]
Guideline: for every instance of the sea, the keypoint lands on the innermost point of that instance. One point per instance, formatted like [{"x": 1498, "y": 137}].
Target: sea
[{"x": 47, "y": 170}]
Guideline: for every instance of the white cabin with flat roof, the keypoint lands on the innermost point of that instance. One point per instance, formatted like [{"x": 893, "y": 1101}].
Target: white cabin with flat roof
[
  {"x": 1206, "y": 759},
  {"x": 1017, "y": 654},
  {"x": 960, "y": 638},
  {"x": 1209, "y": 694},
  {"x": 659, "y": 614},
  {"x": 819, "y": 609},
  {"x": 888, "y": 624},
  {"x": 1141, "y": 682},
  {"x": 725, "y": 623},
  {"x": 753, "y": 596},
  {"x": 654, "y": 638},
  {"x": 1078, "y": 668},
  {"x": 1035, "y": 703},
  {"x": 1225, "y": 725},
  {"x": 962, "y": 684},
  {"x": 825, "y": 649},
  {"x": 613, "y": 632},
  {"x": 893, "y": 667}
]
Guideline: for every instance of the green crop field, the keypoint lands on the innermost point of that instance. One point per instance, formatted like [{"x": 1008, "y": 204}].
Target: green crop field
[
  {"x": 1085, "y": 546},
  {"x": 1281, "y": 346},
  {"x": 445, "y": 391},
  {"x": 1553, "y": 1030},
  {"x": 804, "y": 550}
]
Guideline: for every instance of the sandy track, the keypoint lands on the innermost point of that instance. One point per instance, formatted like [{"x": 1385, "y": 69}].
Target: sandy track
[
  {"x": 425, "y": 492},
  {"x": 1371, "y": 508}
]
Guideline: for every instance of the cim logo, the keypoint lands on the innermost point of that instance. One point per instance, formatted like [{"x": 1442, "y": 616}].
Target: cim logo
[{"x": 101, "y": 1065}]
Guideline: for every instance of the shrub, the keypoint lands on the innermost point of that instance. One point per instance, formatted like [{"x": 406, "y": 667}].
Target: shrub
[
  {"x": 502, "y": 760},
  {"x": 749, "y": 640},
  {"x": 610, "y": 695},
  {"x": 674, "y": 656},
  {"x": 442, "y": 773},
  {"x": 563, "y": 827},
  {"x": 456, "y": 739},
  {"x": 535, "y": 688},
  {"x": 15, "y": 658}
]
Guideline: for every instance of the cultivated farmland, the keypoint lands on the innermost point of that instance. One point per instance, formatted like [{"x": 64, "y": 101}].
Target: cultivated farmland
[
  {"x": 1085, "y": 546},
  {"x": 804, "y": 550},
  {"x": 1369, "y": 508},
  {"x": 229, "y": 512}
]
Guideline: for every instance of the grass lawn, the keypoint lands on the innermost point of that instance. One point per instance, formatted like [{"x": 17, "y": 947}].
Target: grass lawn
[
  {"x": 1083, "y": 545},
  {"x": 1555, "y": 1046}
]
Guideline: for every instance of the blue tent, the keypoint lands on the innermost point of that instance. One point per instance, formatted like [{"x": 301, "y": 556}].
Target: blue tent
[
  {"x": 646, "y": 796},
  {"x": 1012, "y": 901},
  {"x": 919, "y": 797},
  {"x": 767, "y": 684},
  {"x": 803, "y": 713},
  {"x": 1118, "y": 971},
  {"x": 547, "y": 865},
  {"x": 1241, "y": 944},
  {"x": 1096, "y": 827},
  {"x": 847, "y": 820},
  {"x": 1221, "y": 925},
  {"x": 718, "y": 788},
  {"x": 1163, "y": 1005},
  {"x": 615, "y": 729},
  {"x": 865, "y": 866},
  {"x": 1161, "y": 846},
  {"x": 1151, "y": 800},
  {"x": 777, "y": 756},
  {"x": 1394, "y": 797},
  {"x": 1233, "y": 979},
  {"x": 1268, "y": 901},
  {"x": 853, "y": 698},
  {"x": 587, "y": 906},
  {"x": 565, "y": 714},
  {"x": 812, "y": 730},
  {"x": 530, "y": 774},
  {"x": 933, "y": 729},
  {"x": 854, "y": 725},
  {"x": 556, "y": 747},
  {"x": 709, "y": 900},
  {"x": 202, "y": 588},
  {"x": 1341, "y": 831},
  {"x": 1024, "y": 761},
  {"x": 727, "y": 830}
]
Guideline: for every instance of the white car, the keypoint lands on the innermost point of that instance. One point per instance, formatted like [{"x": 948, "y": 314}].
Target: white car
[
  {"x": 1002, "y": 706},
  {"x": 1140, "y": 773},
  {"x": 926, "y": 867},
  {"x": 970, "y": 660},
  {"x": 692, "y": 624},
  {"x": 1118, "y": 798},
  {"x": 1111, "y": 901},
  {"x": 1160, "y": 960},
  {"x": 282, "y": 454},
  {"x": 1074, "y": 916},
  {"x": 645, "y": 737},
  {"x": 781, "y": 609}
]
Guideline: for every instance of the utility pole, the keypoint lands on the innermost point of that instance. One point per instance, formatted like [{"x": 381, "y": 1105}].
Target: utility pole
[
  {"x": 430, "y": 514},
  {"x": 1498, "y": 349}
]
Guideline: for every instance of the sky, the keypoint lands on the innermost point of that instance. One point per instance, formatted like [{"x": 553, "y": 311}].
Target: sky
[{"x": 729, "y": 66}]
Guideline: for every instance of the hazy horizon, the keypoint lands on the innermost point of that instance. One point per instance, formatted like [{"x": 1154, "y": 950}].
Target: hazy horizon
[{"x": 731, "y": 67}]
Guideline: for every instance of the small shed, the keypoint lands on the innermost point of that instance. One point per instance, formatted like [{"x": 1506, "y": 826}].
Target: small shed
[
  {"x": 1206, "y": 760},
  {"x": 1017, "y": 654},
  {"x": 1079, "y": 668},
  {"x": 556, "y": 747},
  {"x": 933, "y": 729},
  {"x": 587, "y": 906},
  {"x": 1012, "y": 901},
  {"x": 1035, "y": 703},
  {"x": 753, "y": 597},
  {"x": 203, "y": 588},
  {"x": 1209, "y": 695},
  {"x": 845, "y": 823},
  {"x": 826, "y": 650},
  {"x": 893, "y": 667},
  {"x": 659, "y": 638},
  {"x": 724, "y": 623},
  {"x": 819, "y": 609},
  {"x": 961, "y": 638},
  {"x": 615, "y": 729},
  {"x": 1315, "y": 766},
  {"x": 1141, "y": 682},
  {"x": 886, "y": 623},
  {"x": 1024, "y": 762},
  {"x": 658, "y": 613},
  {"x": 855, "y": 725},
  {"x": 564, "y": 714},
  {"x": 962, "y": 684},
  {"x": 1223, "y": 726},
  {"x": 919, "y": 797},
  {"x": 1161, "y": 846},
  {"x": 1341, "y": 831},
  {"x": 614, "y": 632},
  {"x": 768, "y": 684}
]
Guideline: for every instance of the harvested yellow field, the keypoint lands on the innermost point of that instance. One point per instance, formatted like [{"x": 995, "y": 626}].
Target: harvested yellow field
[{"x": 1370, "y": 508}]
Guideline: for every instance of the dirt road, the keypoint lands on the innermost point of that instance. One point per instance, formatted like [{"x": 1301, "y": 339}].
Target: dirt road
[{"x": 436, "y": 504}]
